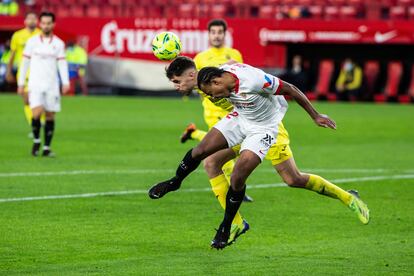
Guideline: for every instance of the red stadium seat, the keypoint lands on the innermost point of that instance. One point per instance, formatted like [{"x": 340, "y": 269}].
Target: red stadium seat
[
  {"x": 108, "y": 11},
  {"x": 185, "y": 10},
  {"x": 405, "y": 3},
  {"x": 77, "y": 11},
  {"x": 218, "y": 11},
  {"x": 326, "y": 69},
  {"x": 397, "y": 12},
  {"x": 394, "y": 73},
  {"x": 304, "y": 3},
  {"x": 139, "y": 11},
  {"x": 337, "y": 2},
  {"x": 331, "y": 12},
  {"x": 93, "y": 11},
  {"x": 202, "y": 10},
  {"x": 266, "y": 11},
  {"x": 409, "y": 97},
  {"x": 62, "y": 11},
  {"x": 411, "y": 12},
  {"x": 371, "y": 71},
  {"x": 316, "y": 11},
  {"x": 115, "y": 2},
  {"x": 347, "y": 12}
]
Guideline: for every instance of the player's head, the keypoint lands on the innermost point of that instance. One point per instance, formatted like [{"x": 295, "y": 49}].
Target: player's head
[
  {"x": 30, "y": 20},
  {"x": 183, "y": 73},
  {"x": 214, "y": 82},
  {"x": 47, "y": 22},
  {"x": 217, "y": 32}
]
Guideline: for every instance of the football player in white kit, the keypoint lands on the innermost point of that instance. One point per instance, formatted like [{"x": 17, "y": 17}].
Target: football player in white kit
[
  {"x": 44, "y": 54},
  {"x": 259, "y": 107}
]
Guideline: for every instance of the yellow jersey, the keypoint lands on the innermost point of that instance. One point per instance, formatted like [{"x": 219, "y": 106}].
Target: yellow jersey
[
  {"x": 18, "y": 42},
  {"x": 216, "y": 57}
]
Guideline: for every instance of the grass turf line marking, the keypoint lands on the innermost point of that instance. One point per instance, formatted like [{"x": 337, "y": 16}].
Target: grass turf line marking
[
  {"x": 257, "y": 186},
  {"x": 142, "y": 171}
]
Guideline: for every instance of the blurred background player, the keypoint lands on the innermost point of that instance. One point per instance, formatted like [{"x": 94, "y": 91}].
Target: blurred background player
[
  {"x": 45, "y": 55},
  {"x": 77, "y": 59},
  {"x": 17, "y": 45},
  {"x": 348, "y": 84},
  {"x": 217, "y": 55}
]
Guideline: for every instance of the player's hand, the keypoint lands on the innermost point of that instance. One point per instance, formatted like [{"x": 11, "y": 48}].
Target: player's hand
[
  {"x": 65, "y": 89},
  {"x": 10, "y": 78},
  {"x": 323, "y": 120},
  {"x": 20, "y": 90}
]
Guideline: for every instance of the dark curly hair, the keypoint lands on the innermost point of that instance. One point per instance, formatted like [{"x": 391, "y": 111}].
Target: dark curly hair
[
  {"x": 178, "y": 66},
  {"x": 207, "y": 74}
]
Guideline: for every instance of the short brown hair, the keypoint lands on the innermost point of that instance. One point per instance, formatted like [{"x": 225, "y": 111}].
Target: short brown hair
[{"x": 217, "y": 22}]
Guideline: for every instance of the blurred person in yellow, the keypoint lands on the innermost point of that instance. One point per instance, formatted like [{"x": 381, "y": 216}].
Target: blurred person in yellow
[
  {"x": 217, "y": 55},
  {"x": 77, "y": 59},
  {"x": 17, "y": 45},
  {"x": 349, "y": 82},
  {"x": 9, "y": 8}
]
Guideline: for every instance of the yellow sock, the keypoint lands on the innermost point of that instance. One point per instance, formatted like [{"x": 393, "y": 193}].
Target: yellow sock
[
  {"x": 198, "y": 134},
  {"x": 220, "y": 186},
  {"x": 43, "y": 118},
  {"x": 228, "y": 169},
  {"x": 324, "y": 187},
  {"x": 28, "y": 114}
]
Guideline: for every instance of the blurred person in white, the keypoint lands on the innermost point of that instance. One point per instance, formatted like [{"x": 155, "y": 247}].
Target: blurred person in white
[{"x": 44, "y": 54}]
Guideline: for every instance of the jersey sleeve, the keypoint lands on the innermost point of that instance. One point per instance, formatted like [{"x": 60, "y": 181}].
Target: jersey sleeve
[
  {"x": 265, "y": 83},
  {"x": 28, "y": 49},
  {"x": 61, "y": 51},
  {"x": 14, "y": 42}
]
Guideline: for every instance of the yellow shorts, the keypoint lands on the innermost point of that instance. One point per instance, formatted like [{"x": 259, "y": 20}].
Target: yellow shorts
[
  {"x": 212, "y": 118},
  {"x": 280, "y": 151}
]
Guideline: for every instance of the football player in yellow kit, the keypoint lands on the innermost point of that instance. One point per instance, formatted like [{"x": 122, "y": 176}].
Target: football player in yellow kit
[
  {"x": 218, "y": 54},
  {"x": 17, "y": 45},
  {"x": 183, "y": 73}
]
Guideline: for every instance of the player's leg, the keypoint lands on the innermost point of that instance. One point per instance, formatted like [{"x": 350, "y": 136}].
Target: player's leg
[
  {"x": 36, "y": 127},
  {"x": 294, "y": 178},
  {"x": 245, "y": 165},
  {"x": 220, "y": 186},
  {"x": 213, "y": 142},
  {"x": 48, "y": 134},
  {"x": 192, "y": 133}
]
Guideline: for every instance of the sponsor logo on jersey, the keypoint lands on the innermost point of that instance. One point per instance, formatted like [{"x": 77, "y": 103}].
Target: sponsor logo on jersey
[{"x": 268, "y": 82}]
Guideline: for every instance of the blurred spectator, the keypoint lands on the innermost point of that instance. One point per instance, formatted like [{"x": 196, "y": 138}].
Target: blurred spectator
[
  {"x": 77, "y": 59},
  {"x": 9, "y": 8},
  {"x": 348, "y": 84},
  {"x": 4, "y": 60},
  {"x": 296, "y": 74}
]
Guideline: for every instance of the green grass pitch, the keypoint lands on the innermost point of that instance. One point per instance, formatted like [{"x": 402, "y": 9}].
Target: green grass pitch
[{"x": 113, "y": 144}]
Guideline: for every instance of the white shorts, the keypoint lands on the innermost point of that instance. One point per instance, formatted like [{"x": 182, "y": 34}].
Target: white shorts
[
  {"x": 49, "y": 100},
  {"x": 253, "y": 137}
]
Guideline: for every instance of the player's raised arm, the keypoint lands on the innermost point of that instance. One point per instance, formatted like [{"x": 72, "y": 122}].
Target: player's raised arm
[{"x": 320, "y": 119}]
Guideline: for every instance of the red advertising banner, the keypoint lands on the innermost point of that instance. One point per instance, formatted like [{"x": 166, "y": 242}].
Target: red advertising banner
[{"x": 255, "y": 38}]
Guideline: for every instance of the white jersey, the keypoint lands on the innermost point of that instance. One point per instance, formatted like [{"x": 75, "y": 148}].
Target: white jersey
[
  {"x": 255, "y": 96},
  {"x": 45, "y": 54}
]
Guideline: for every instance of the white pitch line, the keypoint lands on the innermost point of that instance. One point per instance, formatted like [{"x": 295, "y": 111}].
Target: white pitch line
[
  {"x": 257, "y": 186},
  {"x": 148, "y": 171}
]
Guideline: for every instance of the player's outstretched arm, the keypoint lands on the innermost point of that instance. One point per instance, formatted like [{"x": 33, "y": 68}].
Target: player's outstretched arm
[{"x": 320, "y": 119}]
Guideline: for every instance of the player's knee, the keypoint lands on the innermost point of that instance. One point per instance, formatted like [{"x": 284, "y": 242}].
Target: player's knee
[
  {"x": 199, "y": 152},
  {"x": 295, "y": 181},
  {"x": 212, "y": 166}
]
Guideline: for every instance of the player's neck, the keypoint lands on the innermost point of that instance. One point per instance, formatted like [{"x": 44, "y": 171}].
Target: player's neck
[
  {"x": 230, "y": 81},
  {"x": 48, "y": 35},
  {"x": 31, "y": 30}
]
